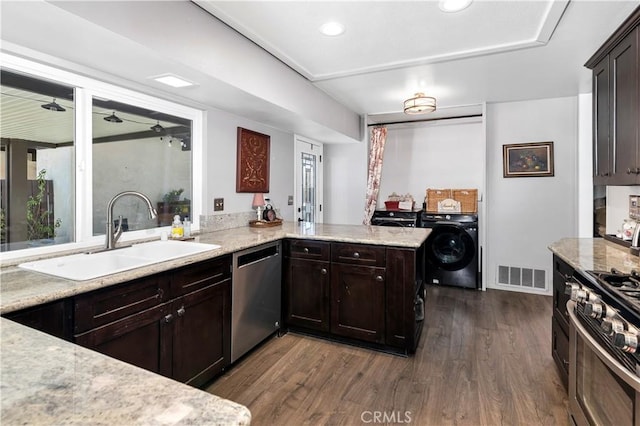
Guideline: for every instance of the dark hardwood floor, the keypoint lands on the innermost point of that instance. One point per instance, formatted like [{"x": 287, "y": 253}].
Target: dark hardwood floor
[{"x": 484, "y": 359}]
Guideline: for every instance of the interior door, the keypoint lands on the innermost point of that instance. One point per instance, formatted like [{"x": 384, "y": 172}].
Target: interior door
[{"x": 308, "y": 180}]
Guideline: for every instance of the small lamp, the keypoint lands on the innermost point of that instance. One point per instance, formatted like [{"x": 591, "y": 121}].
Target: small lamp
[{"x": 258, "y": 202}]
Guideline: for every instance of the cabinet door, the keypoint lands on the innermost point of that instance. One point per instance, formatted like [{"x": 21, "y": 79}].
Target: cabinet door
[
  {"x": 601, "y": 105},
  {"x": 53, "y": 318},
  {"x": 141, "y": 339},
  {"x": 623, "y": 63},
  {"x": 306, "y": 293},
  {"x": 202, "y": 334},
  {"x": 560, "y": 350},
  {"x": 357, "y": 302}
]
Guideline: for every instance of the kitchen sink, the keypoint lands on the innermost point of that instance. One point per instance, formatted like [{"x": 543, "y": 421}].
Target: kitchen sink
[{"x": 86, "y": 266}]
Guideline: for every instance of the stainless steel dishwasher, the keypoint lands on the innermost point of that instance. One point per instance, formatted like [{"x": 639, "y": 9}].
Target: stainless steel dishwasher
[{"x": 256, "y": 301}]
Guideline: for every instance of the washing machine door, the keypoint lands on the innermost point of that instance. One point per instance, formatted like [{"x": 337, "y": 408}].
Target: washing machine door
[{"x": 450, "y": 247}]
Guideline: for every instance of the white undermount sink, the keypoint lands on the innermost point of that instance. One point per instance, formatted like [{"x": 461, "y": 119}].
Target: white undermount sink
[{"x": 86, "y": 266}]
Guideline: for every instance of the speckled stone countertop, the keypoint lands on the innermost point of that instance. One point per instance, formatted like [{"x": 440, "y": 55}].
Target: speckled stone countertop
[
  {"x": 588, "y": 254},
  {"x": 21, "y": 289},
  {"x": 46, "y": 380}
]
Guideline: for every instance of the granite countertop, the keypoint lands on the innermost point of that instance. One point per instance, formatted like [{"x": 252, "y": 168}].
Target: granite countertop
[
  {"x": 46, "y": 380},
  {"x": 22, "y": 289},
  {"x": 589, "y": 254}
]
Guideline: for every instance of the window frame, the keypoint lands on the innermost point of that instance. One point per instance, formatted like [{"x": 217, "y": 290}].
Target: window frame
[{"x": 85, "y": 89}]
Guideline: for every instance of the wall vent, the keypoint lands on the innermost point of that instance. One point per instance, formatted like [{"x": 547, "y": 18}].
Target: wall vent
[{"x": 522, "y": 277}]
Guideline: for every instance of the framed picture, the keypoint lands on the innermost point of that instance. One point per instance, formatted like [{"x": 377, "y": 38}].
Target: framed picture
[
  {"x": 527, "y": 159},
  {"x": 252, "y": 163}
]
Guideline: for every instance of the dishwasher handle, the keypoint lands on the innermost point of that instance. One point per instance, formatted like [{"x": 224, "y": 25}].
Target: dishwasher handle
[{"x": 259, "y": 254}]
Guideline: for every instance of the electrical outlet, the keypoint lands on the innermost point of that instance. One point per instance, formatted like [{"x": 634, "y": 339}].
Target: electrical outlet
[
  {"x": 290, "y": 200},
  {"x": 218, "y": 204}
]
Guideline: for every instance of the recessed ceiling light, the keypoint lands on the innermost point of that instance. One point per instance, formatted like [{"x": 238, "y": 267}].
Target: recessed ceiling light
[
  {"x": 172, "y": 80},
  {"x": 453, "y": 5},
  {"x": 332, "y": 29}
]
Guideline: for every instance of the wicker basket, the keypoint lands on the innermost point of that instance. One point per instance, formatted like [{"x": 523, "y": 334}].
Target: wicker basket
[
  {"x": 468, "y": 199},
  {"x": 436, "y": 195}
]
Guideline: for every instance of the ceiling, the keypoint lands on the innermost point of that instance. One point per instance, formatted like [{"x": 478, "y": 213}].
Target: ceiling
[{"x": 492, "y": 51}]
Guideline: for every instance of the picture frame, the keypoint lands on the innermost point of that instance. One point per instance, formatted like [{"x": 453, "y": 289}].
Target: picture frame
[
  {"x": 533, "y": 159},
  {"x": 252, "y": 161}
]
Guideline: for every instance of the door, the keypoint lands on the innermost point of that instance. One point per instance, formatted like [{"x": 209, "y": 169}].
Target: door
[
  {"x": 308, "y": 180},
  {"x": 450, "y": 247}
]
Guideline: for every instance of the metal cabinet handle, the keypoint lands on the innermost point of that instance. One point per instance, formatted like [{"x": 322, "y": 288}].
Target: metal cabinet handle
[
  {"x": 159, "y": 294},
  {"x": 323, "y": 271},
  {"x": 168, "y": 318},
  {"x": 604, "y": 174},
  {"x": 629, "y": 171},
  {"x": 379, "y": 278},
  {"x": 306, "y": 250},
  {"x": 356, "y": 255},
  {"x": 181, "y": 311}
]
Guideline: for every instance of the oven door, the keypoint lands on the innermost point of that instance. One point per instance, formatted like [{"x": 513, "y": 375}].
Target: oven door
[{"x": 601, "y": 390}]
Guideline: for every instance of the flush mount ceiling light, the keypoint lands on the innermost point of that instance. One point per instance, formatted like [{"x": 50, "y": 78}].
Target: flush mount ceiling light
[
  {"x": 157, "y": 128},
  {"x": 419, "y": 104},
  {"x": 173, "y": 80},
  {"x": 453, "y": 5},
  {"x": 113, "y": 118},
  {"x": 53, "y": 106},
  {"x": 332, "y": 29}
]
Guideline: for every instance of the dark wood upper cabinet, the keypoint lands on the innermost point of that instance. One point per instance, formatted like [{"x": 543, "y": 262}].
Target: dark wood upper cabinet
[{"x": 616, "y": 106}]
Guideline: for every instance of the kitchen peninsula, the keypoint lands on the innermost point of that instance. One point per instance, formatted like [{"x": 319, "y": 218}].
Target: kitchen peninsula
[{"x": 82, "y": 385}]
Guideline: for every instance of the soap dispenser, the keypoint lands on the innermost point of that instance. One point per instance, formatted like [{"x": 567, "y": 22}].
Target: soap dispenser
[{"x": 177, "y": 230}]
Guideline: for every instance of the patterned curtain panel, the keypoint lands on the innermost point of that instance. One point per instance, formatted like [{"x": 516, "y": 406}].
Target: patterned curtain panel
[{"x": 378, "y": 138}]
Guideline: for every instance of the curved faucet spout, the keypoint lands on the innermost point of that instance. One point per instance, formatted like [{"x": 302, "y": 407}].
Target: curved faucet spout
[{"x": 112, "y": 237}]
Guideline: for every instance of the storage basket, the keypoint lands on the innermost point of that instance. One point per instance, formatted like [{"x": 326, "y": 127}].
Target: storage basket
[
  {"x": 434, "y": 196},
  {"x": 468, "y": 199},
  {"x": 391, "y": 205}
]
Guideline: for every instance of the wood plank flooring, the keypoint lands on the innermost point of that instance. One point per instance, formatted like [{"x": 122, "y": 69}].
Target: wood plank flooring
[{"x": 484, "y": 359}]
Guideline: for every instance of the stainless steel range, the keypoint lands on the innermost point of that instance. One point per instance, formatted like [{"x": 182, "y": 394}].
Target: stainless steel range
[{"x": 604, "y": 360}]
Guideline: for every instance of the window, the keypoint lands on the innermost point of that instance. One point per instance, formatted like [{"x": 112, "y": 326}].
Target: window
[{"x": 73, "y": 143}]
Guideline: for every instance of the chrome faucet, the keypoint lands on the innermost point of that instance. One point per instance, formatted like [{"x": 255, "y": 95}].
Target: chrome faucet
[{"x": 113, "y": 238}]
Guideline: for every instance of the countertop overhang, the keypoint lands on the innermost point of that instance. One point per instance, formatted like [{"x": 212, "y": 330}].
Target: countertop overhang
[{"x": 595, "y": 254}]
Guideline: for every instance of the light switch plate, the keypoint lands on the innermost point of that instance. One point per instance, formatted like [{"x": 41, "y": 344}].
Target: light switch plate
[
  {"x": 290, "y": 200},
  {"x": 218, "y": 204}
]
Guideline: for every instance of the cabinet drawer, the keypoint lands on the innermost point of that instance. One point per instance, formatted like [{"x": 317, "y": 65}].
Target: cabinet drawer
[
  {"x": 104, "y": 306},
  {"x": 562, "y": 267},
  {"x": 358, "y": 254},
  {"x": 305, "y": 249},
  {"x": 199, "y": 275}
]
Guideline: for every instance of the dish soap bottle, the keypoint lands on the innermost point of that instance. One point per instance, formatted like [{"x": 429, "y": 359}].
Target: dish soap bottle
[{"x": 177, "y": 230}]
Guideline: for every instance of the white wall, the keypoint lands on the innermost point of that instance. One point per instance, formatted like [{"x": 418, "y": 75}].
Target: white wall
[
  {"x": 220, "y": 165},
  {"x": 441, "y": 154},
  {"x": 585, "y": 166},
  {"x": 525, "y": 215},
  {"x": 345, "y": 182}
]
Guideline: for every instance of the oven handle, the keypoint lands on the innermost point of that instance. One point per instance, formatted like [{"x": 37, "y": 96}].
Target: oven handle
[{"x": 608, "y": 360}]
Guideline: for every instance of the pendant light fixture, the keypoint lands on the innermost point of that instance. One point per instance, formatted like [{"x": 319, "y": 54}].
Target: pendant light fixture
[
  {"x": 53, "y": 106},
  {"x": 113, "y": 118},
  {"x": 420, "y": 104},
  {"x": 157, "y": 128}
]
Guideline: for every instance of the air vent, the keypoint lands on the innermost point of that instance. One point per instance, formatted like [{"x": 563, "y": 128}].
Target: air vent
[{"x": 522, "y": 277}]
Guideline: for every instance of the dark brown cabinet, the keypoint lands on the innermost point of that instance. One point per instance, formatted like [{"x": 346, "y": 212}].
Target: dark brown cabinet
[
  {"x": 53, "y": 318},
  {"x": 307, "y": 275},
  {"x": 560, "y": 318},
  {"x": 177, "y": 324},
  {"x": 356, "y": 292},
  {"x": 616, "y": 106}
]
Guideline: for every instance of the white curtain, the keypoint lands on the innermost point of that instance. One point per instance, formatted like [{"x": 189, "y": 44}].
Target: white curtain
[{"x": 378, "y": 139}]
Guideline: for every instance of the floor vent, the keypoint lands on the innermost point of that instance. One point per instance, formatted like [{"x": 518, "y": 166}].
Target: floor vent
[{"x": 522, "y": 277}]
